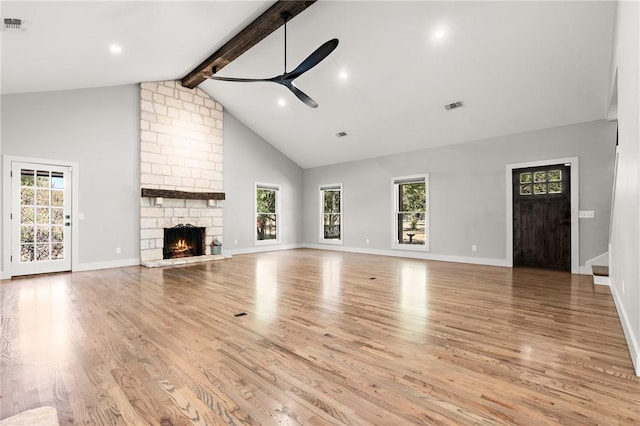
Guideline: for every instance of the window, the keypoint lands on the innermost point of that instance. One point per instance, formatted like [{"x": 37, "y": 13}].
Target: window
[
  {"x": 267, "y": 213},
  {"x": 541, "y": 182},
  {"x": 331, "y": 214},
  {"x": 410, "y": 220}
]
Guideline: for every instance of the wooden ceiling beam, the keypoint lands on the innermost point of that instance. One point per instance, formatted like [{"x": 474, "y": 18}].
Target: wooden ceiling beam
[{"x": 251, "y": 35}]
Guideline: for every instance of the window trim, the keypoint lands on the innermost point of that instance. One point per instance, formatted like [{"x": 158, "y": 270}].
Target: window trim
[
  {"x": 273, "y": 186},
  {"x": 321, "y": 190},
  {"x": 395, "y": 181}
]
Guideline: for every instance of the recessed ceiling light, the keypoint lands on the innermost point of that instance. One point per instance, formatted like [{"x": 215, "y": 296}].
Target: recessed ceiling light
[
  {"x": 343, "y": 75},
  {"x": 282, "y": 102},
  {"x": 115, "y": 49},
  {"x": 438, "y": 34}
]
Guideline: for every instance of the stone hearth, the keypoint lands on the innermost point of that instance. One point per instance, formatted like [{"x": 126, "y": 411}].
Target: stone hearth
[{"x": 184, "y": 260}]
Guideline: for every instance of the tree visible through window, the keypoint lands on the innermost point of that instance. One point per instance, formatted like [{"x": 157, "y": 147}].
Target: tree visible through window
[
  {"x": 331, "y": 213},
  {"x": 411, "y": 224},
  {"x": 543, "y": 182},
  {"x": 266, "y": 213}
]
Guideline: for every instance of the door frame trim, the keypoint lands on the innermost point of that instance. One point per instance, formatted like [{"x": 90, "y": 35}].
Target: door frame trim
[
  {"x": 7, "y": 271},
  {"x": 575, "y": 207}
]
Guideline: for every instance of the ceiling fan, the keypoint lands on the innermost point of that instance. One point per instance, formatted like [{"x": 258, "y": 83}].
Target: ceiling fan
[{"x": 286, "y": 78}]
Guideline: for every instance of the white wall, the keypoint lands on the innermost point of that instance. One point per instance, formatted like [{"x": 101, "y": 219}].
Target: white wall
[
  {"x": 625, "y": 236},
  {"x": 97, "y": 129},
  {"x": 468, "y": 200},
  {"x": 249, "y": 159}
]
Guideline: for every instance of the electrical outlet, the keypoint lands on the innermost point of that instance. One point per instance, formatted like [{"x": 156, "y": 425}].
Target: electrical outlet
[
  {"x": 474, "y": 248},
  {"x": 118, "y": 250},
  {"x": 235, "y": 242},
  {"x": 367, "y": 241}
]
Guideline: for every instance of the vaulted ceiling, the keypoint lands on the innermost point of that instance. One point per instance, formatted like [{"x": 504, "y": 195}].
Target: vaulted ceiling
[{"x": 516, "y": 66}]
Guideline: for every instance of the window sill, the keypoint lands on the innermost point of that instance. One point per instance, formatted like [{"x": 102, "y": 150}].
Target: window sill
[
  {"x": 331, "y": 242},
  {"x": 266, "y": 242},
  {"x": 410, "y": 247}
]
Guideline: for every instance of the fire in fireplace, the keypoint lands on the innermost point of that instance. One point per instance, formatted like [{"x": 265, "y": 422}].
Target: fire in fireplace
[{"x": 183, "y": 241}]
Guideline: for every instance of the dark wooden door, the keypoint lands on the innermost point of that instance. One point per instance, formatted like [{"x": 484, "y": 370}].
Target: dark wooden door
[{"x": 542, "y": 217}]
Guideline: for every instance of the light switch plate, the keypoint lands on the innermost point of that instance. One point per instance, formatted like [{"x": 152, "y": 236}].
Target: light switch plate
[{"x": 586, "y": 214}]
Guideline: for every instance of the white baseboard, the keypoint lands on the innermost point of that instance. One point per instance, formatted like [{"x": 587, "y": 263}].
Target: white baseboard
[
  {"x": 262, "y": 249},
  {"x": 106, "y": 265},
  {"x": 413, "y": 255},
  {"x": 632, "y": 342},
  {"x": 91, "y": 266},
  {"x": 600, "y": 280}
]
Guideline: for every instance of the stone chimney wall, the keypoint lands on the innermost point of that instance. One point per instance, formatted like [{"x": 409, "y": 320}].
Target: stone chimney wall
[{"x": 180, "y": 150}]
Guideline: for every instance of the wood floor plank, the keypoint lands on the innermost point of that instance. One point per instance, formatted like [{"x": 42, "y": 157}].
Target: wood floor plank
[{"x": 328, "y": 338}]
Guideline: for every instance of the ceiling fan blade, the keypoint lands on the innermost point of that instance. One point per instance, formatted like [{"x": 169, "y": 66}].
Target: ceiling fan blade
[
  {"x": 300, "y": 94},
  {"x": 313, "y": 59}
]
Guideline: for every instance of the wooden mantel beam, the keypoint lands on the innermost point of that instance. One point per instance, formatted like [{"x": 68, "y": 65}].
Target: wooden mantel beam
[
  {"x": 181, "y": 195},
  {"x": 251, "y": 35}
]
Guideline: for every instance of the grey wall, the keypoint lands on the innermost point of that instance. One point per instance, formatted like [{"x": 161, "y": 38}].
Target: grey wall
[
  {"x": 625, "y": 235},
  {"x": 98, "y": 129},
  {"x": 249, "y": 159},
  {"x": 468, "y": 190}
]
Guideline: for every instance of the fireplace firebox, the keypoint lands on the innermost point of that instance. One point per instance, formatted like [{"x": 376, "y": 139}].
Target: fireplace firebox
[{"x": 183, "y": 241}]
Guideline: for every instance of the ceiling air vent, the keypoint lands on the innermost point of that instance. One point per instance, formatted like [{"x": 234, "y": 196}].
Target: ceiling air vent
[
  {"x": 12, "y": 24},
  {"x": 454, "y": 105},
  {"x": 341, "y": 134}
]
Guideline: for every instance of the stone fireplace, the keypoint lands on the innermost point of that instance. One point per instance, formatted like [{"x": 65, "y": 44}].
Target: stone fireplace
[{"x": 180, "y": 168}]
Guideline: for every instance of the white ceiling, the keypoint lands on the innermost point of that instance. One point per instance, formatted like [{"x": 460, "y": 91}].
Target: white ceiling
[{"x": 517, "y": 66}]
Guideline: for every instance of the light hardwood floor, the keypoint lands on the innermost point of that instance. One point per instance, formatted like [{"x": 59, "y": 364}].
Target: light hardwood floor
[{"x": 329, "y": 338}]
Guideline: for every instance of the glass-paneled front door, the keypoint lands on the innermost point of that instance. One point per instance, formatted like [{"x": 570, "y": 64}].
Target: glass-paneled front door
[{"x": 41, "y": 218}]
